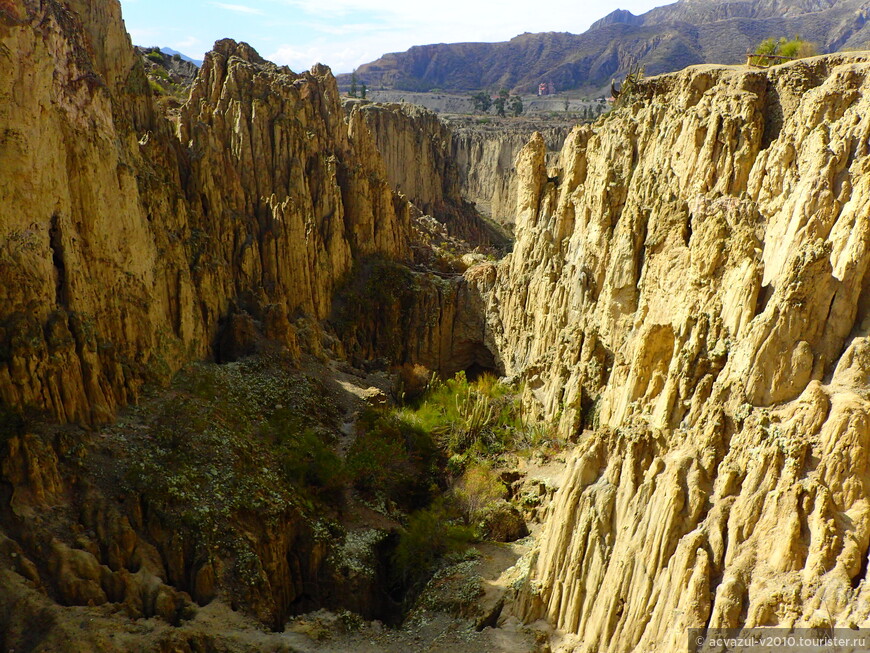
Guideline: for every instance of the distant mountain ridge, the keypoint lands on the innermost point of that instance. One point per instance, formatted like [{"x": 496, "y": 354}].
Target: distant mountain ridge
[
  {"x": 664, "y": 39},
  {"x": 170, "y": 52}
]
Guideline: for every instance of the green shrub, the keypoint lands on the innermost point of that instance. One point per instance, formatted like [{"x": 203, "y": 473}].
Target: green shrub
[
  {"x": 477, "y": 490},
  {"x": 306, "y": 455},
  {"x": 155, "y": 56},
  {"x": 470, "y": 420},
  {"x": 393, "y": 459},
  {"x": 769, "y": 49},
  {"x": 430, "y": 534}
]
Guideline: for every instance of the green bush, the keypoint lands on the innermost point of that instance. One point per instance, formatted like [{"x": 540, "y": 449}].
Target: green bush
[
  {"x": 470, "y": 420},
  {"x": 769, "y": 49},
  {"x": 306, "y": 455},
  {"x": 155, "y": 56},
  {"x": 476, "y": 491},
  {"x": 430, "y": 534},
  {"x": 393, "y": 459}
]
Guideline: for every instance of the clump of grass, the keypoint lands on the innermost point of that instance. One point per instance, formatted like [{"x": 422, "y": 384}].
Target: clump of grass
[
  {"x": 474, "y": 421},
  {"x": 156, "y": 88}
]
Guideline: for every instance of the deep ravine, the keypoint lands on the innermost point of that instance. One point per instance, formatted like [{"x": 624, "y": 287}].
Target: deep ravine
[{"x": 212, "y": 323}]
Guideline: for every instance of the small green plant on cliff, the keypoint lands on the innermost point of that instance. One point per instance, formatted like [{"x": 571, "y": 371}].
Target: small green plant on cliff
[
  {"x": 772, "y": 51},
  {"x": 156, "y": 88}
]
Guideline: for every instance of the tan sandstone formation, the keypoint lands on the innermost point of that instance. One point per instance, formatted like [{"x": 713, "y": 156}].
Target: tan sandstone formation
[
  {"x": 123, "y": 250},
  {"x": 692, "y": 280},
  {"x": 687, "y": 299},
  {"x": 485, "y": 157},
  {"x": 128, "y": 248},
  {"x": 419, "y": 152}
]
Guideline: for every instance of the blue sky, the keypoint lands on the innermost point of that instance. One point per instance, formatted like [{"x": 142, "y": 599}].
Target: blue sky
[{"x": 346, "y": 33}]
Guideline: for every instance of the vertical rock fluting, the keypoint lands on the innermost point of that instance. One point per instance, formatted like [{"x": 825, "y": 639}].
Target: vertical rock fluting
[
  {"x": 84, "y": 285},
  {"x": 287, "y": 198},
  {"x": 418, "y": 150},
  {"x": 692, "y": 278},
  {"x": 485, "y": 158},
  {"x": 122, "y": 249},
  {"x": 127, "y": 249},
  {"x": 415, "y": 146}
]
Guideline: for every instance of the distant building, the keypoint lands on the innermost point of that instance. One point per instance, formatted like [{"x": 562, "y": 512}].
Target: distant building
[{"x": 546, "y": 88}]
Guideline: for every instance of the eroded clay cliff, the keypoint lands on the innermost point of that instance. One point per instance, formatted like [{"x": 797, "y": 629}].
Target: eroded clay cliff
[
  {"x": 128, "y": 248},
  {"x": 486, "y": 157},
  {"x": 687, "y": 300},
  {"x": 691, "y": 281},
  {"x": 419, "y": 152},
  {"x": 125, "y": 250}
]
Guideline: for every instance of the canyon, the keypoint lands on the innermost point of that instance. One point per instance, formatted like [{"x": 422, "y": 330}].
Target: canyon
[{"x": 681, "y": 292}]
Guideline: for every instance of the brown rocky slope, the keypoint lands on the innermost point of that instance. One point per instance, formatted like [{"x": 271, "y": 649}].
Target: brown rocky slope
[{"x": 664, "y": 39}]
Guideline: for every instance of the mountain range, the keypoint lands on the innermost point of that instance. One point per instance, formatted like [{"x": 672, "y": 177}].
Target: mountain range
[
  {"x": 170, "y": 52},
  {"x": 664, "y": 39}
]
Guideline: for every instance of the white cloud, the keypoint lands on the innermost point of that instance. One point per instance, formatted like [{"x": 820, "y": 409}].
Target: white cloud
[
  {"x": 465, "y": 19},
  {"x": 343, "y": 29},
  {"x": 359, "y": 31},
  {"x": 142, "y": 36},
  {"x": 347, "y": 33},
  {"x": 302, "y": 58},
  {"x": 242, "y": 9}
]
